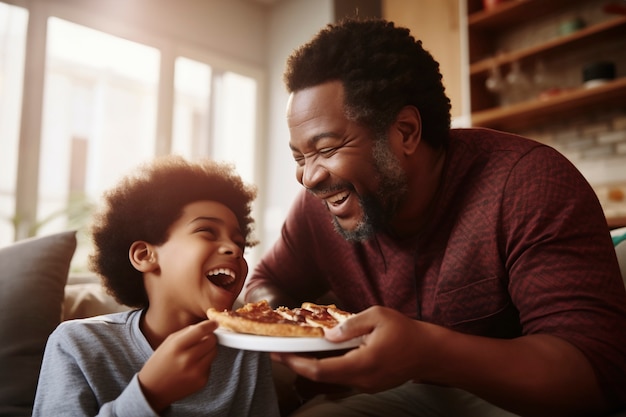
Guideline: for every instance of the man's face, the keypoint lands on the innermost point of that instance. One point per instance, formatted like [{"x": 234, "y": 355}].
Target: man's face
[{"x": 341, "y": 162}]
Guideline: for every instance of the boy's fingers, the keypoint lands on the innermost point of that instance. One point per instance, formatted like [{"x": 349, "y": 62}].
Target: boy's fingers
[{"x": 198, "y": 332}]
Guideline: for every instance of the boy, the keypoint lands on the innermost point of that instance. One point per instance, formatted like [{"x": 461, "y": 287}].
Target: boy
[{"x": 169, "y": 242}]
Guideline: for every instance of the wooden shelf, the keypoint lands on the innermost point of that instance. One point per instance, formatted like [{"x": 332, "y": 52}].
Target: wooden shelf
[
  {"x": 566, "y": 104},
  {"x": 512, "y": 12},
  {"x": 580, "y": 38},
  {"x": 517, "y": 17}
]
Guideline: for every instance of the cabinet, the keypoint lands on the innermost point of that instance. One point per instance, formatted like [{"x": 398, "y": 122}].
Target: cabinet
[{"x": 602, "y": 37}]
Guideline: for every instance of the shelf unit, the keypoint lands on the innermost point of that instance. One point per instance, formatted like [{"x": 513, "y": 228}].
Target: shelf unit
[
  {"x": 579, "y": 39},
  {"x": 510, "y": 12},
  {"x": 484, "y": 26},
  {"x": 491, "y": 44},
  {"x": 566, "y": 104}
]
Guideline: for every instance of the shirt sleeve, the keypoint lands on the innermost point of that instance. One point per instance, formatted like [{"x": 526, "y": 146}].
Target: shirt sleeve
[
  {"x": 564, "y": 276},
  {"x": 63, "y": 388},
  {"x": 291, "y": 263}
]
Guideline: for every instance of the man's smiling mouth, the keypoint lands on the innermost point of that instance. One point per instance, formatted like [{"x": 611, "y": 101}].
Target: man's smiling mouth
[
  {"x": 338, "y": 198},
  {"x": 222, "y": 277}
]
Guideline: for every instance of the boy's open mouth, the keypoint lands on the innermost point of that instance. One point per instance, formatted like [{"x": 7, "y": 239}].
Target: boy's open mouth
[{"x": 222, "y": 277}]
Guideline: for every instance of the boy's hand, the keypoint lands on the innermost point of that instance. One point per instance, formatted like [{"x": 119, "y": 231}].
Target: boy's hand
[{"x": 180, "y": 366}]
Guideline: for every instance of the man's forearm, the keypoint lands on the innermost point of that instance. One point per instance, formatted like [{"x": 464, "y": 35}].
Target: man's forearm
[{"x": 532, "y": 375}]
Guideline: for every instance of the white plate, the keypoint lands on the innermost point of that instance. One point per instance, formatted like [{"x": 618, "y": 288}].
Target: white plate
[{"x": 280, "y": 344}]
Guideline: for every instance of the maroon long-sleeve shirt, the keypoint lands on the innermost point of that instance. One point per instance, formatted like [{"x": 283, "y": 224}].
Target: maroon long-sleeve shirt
[{"x": 517, "y": 244}]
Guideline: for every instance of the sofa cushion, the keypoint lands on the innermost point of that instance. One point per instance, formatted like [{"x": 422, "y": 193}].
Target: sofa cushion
[
  {"x": 33, "y": 273},
  {"x": 88, "y": 299}
]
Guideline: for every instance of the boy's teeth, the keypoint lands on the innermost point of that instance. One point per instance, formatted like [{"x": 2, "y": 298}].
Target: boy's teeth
[
  {"x": 221, "y": 276},
  {"x": 223, "y": 271}
]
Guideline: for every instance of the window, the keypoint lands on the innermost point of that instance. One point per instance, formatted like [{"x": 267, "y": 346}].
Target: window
[
  {"x": 192, "y": 96},
  {"x": 13, "y": 21},
  {"x": 99, "y": 104},
  {"x": 106, "y": 108},
  {"x": 99, "y": 113},
  {"x": 226, "y": 132},
  {"x": 235, "y": 122}
]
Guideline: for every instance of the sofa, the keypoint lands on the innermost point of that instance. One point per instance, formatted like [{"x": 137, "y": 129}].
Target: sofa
[
  {"x": 35, "y": 295},
  {"x": 37, "y": 292}
]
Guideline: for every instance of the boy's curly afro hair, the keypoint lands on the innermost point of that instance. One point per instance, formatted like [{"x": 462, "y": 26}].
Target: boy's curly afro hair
[
  {"x": 382, "y": 69},
  {"x": 146, "y": 203}
]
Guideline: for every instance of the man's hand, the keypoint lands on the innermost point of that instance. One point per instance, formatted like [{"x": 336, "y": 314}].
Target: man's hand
[
  {"x": 387, "y": 357},
  {"x": 180, "y": 366}
]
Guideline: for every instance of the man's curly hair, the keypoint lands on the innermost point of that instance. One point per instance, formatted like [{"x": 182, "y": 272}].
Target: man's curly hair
[
  {"x": 146, "y": 203},
  {"x": 382, "y": 69}
]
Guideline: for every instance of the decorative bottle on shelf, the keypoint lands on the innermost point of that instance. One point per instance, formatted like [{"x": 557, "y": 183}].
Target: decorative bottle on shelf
[
  {"x": 519, "y": 87},
  {"x": 541, "y": 80},
  {"x": 495, "y": 83}
]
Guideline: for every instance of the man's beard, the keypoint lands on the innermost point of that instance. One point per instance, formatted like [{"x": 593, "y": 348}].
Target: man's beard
[{"x": 380, "y": 207}]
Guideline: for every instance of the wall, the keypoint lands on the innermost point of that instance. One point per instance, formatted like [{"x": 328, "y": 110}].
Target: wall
[
  {"x": 292, "y": 23},
  {"x": 438, "y": 25}
]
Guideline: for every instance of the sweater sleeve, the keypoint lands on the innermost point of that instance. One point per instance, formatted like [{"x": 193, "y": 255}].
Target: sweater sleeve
[
  {"x": 131, "y": 402},
  {"x": 63, "y": 388}
]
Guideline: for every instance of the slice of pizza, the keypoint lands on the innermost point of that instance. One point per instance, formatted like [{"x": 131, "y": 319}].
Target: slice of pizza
[
  {"x": 259, "y": 318},
  {"x": 316, "y": 315},
  {"x": 325, "y": 313}
]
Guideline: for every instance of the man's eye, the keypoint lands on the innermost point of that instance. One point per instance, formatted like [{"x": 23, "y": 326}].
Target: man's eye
[
  {"x": 299, "y": 160},
  {"x": 327, "y": 151}
]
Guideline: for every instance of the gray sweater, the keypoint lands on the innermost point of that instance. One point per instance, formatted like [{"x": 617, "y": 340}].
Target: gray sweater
[{"x": 90, "y": 368}]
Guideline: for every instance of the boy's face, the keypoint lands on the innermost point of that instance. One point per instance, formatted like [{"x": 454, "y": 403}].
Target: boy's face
[{"x": 201, "y": 264}]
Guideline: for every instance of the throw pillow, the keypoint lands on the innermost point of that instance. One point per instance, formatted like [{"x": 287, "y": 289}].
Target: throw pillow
[
  {"x": 33, "y": 273},
  {"x": 88, "y": 300}
]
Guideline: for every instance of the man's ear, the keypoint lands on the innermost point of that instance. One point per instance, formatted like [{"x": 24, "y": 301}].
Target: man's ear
[
  {"x": 408, "y": 128},
  {"x": 143, "y": 256}
]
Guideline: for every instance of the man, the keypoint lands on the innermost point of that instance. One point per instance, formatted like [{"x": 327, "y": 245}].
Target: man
[{"x": 480, "y": 262}]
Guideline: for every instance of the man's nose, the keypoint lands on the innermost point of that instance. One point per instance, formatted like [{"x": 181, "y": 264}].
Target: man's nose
[{"x": 313, "y": 174}]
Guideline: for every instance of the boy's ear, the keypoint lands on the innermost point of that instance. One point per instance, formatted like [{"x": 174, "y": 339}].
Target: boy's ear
[
  {"x": 408, "y": 128},
  {"x": 142, "y": 256}
]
